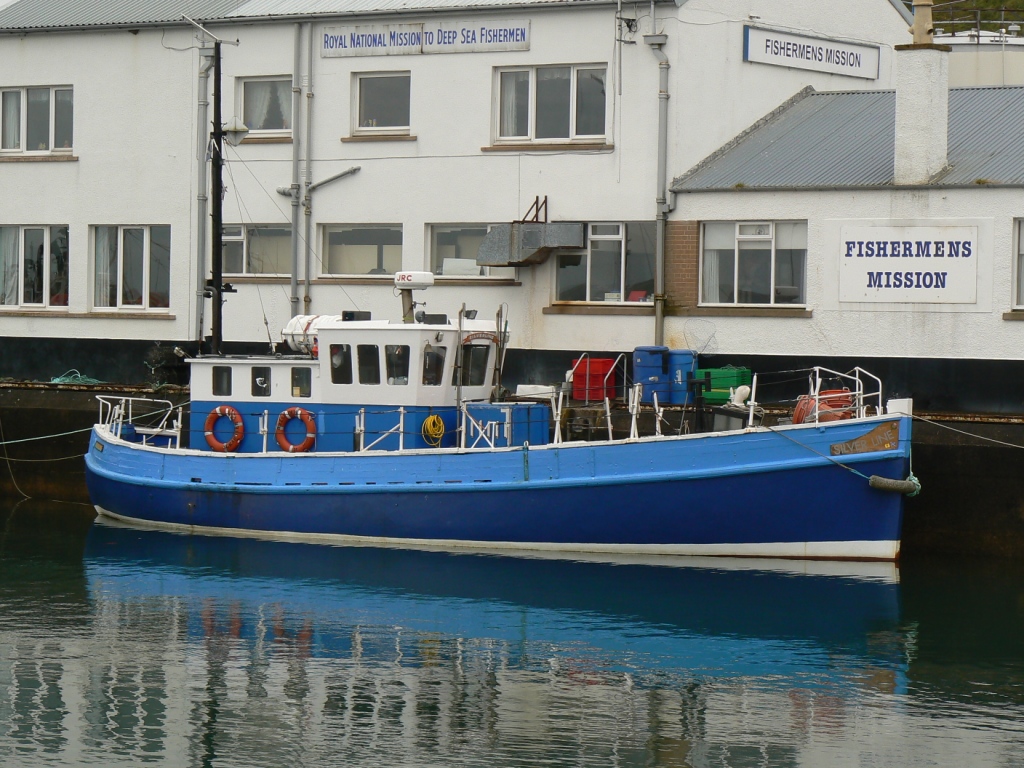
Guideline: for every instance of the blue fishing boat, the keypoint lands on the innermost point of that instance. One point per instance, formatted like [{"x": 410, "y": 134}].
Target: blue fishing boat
[{"x": 396, "y": 432}]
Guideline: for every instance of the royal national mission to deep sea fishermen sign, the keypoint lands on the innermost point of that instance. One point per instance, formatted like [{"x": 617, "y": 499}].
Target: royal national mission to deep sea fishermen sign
[
  {"x": 909, "y": 264},
  {"x": 430, "y": 37}
]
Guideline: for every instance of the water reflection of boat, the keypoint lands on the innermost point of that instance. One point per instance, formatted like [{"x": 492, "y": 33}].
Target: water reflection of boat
[{"x": 732, "y": 617}]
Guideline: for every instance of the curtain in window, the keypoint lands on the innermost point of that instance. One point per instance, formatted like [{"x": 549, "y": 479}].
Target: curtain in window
[
  {"x": 105, "y": 291},
  {"x": 256, "y": 98},
  {"x": 8, "y": 265},
  {"x": 514, "y": 104},
  {"x": 282, "y": 93},
  {"x": 10, "y": 117},
  {"x": 719, "y": 239}
]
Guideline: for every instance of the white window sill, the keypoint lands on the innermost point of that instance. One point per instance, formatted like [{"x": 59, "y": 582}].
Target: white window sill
[
  {"x": 406, "y": 136},
  {"x": 598, "y": 145},
  {"x": 268, "y": 138},
  {"x": 57, "y": 157}
]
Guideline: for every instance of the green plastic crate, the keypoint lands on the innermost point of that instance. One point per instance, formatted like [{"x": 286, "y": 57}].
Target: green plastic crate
[
  {"x": 716, "y": 396},
  {"x": 724, "y": 378}
]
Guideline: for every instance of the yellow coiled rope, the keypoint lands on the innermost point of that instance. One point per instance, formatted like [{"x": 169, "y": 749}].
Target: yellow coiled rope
[{"x": 433, "y": 430}]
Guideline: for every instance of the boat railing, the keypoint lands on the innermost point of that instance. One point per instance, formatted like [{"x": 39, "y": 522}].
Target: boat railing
[
  {"x": 857, "y": 389},
  {"x": 398, "y": 429},
  {"x": 121, "y": 414},
  {"x": 585, "y": 360}
]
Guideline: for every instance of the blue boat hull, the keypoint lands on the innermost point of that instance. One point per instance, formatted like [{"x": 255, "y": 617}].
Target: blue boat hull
[{"x": 765, "y": 493}]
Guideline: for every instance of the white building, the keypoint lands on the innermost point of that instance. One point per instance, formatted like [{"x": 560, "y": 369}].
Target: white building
[{"x": 450, "y": 116}]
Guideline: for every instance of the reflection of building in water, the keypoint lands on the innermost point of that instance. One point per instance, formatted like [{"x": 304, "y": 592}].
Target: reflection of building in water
[{"x": 194, "y": 680}]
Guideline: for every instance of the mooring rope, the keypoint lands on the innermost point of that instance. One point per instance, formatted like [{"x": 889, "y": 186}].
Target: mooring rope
[{"x": 10, "y": 469}]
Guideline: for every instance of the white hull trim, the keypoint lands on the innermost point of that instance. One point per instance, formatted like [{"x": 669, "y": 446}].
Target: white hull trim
[{"x": 824, "y": 550}]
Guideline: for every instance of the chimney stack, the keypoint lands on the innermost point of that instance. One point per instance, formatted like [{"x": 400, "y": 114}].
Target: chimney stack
[{"x": 922, "y": 102}]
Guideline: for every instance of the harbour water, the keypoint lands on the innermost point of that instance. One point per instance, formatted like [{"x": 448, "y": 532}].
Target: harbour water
[{"x": 128, "y": 647}]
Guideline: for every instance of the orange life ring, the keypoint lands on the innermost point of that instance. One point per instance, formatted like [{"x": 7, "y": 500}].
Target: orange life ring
[
  {"x": 235, "y": 418},
  {"x": 282, "y": 439}
]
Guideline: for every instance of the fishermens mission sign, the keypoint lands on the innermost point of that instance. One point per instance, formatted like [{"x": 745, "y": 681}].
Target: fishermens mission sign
[{"x": 909, "y": 264}]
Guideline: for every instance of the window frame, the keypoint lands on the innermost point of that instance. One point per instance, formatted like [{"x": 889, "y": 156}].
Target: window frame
[
  {"x": 740, "y": 237},
  {"x": 50, "y": 233},
  {"x": 286, "y": 112},
  {"x": 243, "y": 237},
  {"x": 357, "y": 128},
  {"x": 147, "y": 268},
  {"x": 483, "y": 272},
  {"x": 1018, "y": 266},
  {"x": 23, "y": 118},
  {"x": 594, "y": 235},
  {"x": 532, "y": 111},
  {"x": 326, "y": 230}
]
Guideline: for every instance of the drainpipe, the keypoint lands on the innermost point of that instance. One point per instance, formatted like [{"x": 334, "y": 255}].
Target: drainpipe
[
  {"x": 656, "y": 42},
  {"x": 307, "y": 302},
  {"x": 296, "y": 114},
  {"x": 202, "y": 145}
]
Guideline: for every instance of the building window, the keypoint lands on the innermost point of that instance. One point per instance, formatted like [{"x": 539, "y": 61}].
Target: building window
[
  {"x": 34, "y": 266},
  {"x": 36, "y": 120},
  {"x": 1020, "y": 264},
  {"x": 267, "y": 105},
  {"x": 617, "y": 265},
  {"x": 758, "y": 262},
  {"x": 133, "y": 267},
  {"x": 382, "y": 103},
  {"x": 363, "y": 249},
  {"x": 561, "y": 103},
  {"x": 259, "y": 249},
  {"x": 454, "y": 248}
]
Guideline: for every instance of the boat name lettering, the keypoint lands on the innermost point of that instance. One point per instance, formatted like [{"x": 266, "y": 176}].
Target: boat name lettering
[{"x": 884, "y": 437}]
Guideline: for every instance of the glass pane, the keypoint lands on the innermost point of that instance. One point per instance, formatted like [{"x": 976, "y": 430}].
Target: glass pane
[
  {"x": 606, "y": 270},
  {"x": 640, "y": 261},
  {"x": 341, "y": 364},
  {"x": 32, "y": 288},
  {"x": 58, "y": 266},
  {"x": 454, "y": 250},
  {"x": 791, "y": 234},
  {"x": 605, "y": 230},
  {"x": 789, "y": 275},
  {"x": 754, "y": 272},
  {"x": 63, "y": 118},
  {"x": 474, "y": 365},
  {"x": 159, "y": 266},
  {"x": 261, "y": 381},
  {"x": 270, "y": 250},
  {"x": 302, "y": 382},
  {"x": 717, "y": 276},
  {"x": 590, "y": 101},
  {"x": 37, "y": 129},
  {"x": 222, "y": 381},
  {"x": 359, "y": 250},
  {"x": 266, "y": 105},
  {"x": 9, "y": 277},
  {"x": 132, "y": 266},
  {"x": 231, "y": 257},
  {"x": 384, "y": 102},
  {"x": 396, "y": 358},
  {"x": 433, "y": 365},
  {"x": 514, "y": 104},
  {"x": 760, "y": 229},
  {"x": 572, "y": 277},
  {"x": 105, "y": 249},
  {"x": 553, "y": 96},
  {"x": 10, "y": 120},
  {"x": 369, "y": 364}
]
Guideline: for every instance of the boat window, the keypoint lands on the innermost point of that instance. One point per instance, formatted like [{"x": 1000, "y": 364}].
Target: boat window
[
  {"x": 302, "y": 382},
  {"x": 222, "y": 380},
  {"x": 433, "y": 365},
  {"x": 341, "y": 363},
  {"x": 261, "y": 381},
  {"x": 474, "y": 365},
  {"x": 369, "y": 363},
  {"x": 396, "y": 357}
]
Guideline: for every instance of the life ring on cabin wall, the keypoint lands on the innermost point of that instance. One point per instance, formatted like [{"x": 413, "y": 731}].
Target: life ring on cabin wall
[
  {"x": 833, "y": 405},
  {"x": 282, "y": 439},
  {"x": 235, "y": 418}
]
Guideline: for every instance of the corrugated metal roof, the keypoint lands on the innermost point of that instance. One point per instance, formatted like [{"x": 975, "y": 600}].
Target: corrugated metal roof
[
  {"x": 848, "y": 140},
  {"x": 28, "y": 15}
]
